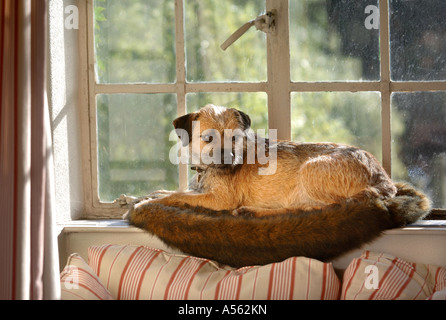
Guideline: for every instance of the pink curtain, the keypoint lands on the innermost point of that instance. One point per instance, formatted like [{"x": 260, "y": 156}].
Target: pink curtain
[{"x": 28, "y": 242}]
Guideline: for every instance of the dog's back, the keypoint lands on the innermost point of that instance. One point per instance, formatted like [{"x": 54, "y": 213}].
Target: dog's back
[{"x": 310, "y": 175}]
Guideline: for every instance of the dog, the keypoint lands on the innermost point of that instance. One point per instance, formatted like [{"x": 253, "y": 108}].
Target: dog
[
  {"x": 255, "y": 200},
  {"x": 307, "y": 175}
]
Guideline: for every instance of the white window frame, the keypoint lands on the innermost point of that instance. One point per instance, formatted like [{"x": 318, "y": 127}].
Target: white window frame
[{"x": 278, "y": 88}]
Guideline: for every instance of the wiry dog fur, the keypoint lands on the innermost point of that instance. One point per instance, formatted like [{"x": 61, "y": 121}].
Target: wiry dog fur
[{"x": 323, "y": 200}]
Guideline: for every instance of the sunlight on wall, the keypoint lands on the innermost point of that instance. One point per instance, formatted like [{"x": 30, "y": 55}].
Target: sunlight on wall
[{"x": 63, "y": 92}]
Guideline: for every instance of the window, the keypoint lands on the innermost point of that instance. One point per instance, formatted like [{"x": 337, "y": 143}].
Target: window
[{"x": 369, "y": 73}]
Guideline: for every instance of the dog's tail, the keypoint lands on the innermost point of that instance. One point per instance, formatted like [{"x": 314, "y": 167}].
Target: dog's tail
[
  {"x": 408, "y": 206},
  {"x": 240, "y": 241}
]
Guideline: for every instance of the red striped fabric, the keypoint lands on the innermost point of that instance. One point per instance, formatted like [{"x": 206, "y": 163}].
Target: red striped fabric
[
  {"x": 191, "y": 279},
  {"x": 385, "y": 283},
  {"x": 349, "y": 275},
  {"x": 155, "y": 291},
  {"x": 96, "y": 257},
  {"x": 227, "y": 287},
  {"x": 396, "y": 279},
  {"x": 424, "y": 282},
  {"x": 440, "y": 285},
  {"x": 136, "y": 272},
  {"x": 282, "y": 278},
  {"x": 127, "y": 278},
  {"x": 145, "y": 270},
  {"x": 308, "y": 279},
  {"x": 79, "y": 282},
  {"x": 440, "y": 279},
  {"x": 172, "y": 278},
  {"x": 324, "y": 276},
  {"x": 203, "y": 290}
]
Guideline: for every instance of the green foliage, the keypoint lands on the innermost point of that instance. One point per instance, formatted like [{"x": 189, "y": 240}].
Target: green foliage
[{"x": 208, "y": 24}]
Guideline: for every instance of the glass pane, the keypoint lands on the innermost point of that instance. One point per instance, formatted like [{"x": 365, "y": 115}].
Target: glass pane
[
  {"x": 134, "y": 41},
  {"x": 340, "y": 117},
  {"x": 133, "y": 144},
  {"x": 208, "y": 25},
  {"x": 334, "y": 40},
  {"x": 417, "y": 34},
  {"x": 253, "y": 104},
  {"x": 419, "y": 142}
]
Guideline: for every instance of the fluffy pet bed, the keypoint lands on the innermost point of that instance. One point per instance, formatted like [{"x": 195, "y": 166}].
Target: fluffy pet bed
[{"x": 241, "y": 241}]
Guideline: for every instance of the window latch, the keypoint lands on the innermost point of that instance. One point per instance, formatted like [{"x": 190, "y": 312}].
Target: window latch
[{"x": 265, "y": 23}]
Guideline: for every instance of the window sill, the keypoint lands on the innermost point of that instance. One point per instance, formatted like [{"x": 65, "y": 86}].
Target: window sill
[
  {"x": 103, "y": 225},
  {"x": 115, "y": 225}
]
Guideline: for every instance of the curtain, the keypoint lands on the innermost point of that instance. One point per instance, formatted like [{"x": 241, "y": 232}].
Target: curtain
[{"x": 28, "y": 241}]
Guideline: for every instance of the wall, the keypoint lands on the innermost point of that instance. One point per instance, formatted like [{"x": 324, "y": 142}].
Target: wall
[{"x": 63, "y": 99}]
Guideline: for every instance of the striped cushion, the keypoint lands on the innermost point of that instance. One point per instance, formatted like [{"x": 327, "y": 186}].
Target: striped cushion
[
  {"x": 136, "y": 272},
  {"x": 79, "y": 282},
  {"x": 377, "y": 276}
]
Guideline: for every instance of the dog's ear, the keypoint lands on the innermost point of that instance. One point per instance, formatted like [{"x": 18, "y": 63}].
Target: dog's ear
[
  {"x": 246, "y": 120},
  {"x": 184, "y": 123}
]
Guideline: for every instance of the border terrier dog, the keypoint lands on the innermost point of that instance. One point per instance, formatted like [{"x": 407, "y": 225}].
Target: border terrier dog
[
  {"x": 315, "y": 199},
  {"x": 307, "y": 175}
]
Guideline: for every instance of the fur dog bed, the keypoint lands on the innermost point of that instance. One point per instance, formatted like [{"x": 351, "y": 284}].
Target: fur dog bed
[{"x": 241, "y": 241}]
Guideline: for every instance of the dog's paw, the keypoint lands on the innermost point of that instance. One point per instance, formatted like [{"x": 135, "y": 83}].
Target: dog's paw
[
  {"x": 160, "y": 194},
  {"x": 134, "y": 210},
  {"x": 128, "y": 215},
  {"x": 243, "y": 211}
]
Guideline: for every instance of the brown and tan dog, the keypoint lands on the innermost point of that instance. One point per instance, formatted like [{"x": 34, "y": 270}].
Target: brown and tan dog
[
  {"x": 306, "y": 175},
  {"x": 333, "y": 197}
]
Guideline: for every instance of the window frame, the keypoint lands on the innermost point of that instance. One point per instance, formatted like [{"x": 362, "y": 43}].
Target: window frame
[{"x": 278, "y": 88}]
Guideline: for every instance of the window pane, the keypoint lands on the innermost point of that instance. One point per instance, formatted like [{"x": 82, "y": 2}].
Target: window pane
[
  {"x": 133, "y": 144},
  {"x": 340, "y": 117},
  {"x": 134, "y": 41},
  {"x": 419, "y": 142},
  {"x": 253, "y": 104},
  {"x": 208, "y": 25},
  {"x": 417, "y": 34},
  {"x": 334, "y": 40}
]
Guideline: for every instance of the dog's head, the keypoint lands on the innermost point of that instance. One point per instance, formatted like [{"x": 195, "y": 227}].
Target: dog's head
[{"x": 214, "y": 134}]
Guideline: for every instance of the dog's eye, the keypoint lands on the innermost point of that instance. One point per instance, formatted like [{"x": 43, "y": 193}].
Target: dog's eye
[{"x": 207, "y": 138}]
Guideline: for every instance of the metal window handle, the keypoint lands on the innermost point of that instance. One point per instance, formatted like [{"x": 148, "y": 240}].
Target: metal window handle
[{"x": 265, "y": 23}]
